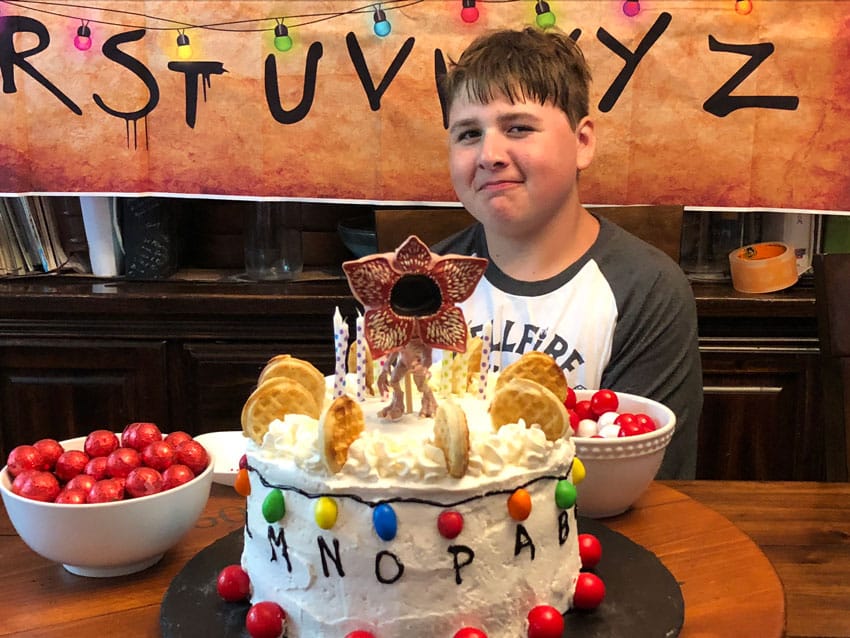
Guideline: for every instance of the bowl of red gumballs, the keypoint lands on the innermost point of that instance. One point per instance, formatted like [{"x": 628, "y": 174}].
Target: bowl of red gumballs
[
  {"x": 620, "y": 441},
  {"x": 107, "y": 504}
]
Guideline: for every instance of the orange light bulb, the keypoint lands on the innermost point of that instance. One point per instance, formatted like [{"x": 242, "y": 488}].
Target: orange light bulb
[{"x": 743, "y": 7}]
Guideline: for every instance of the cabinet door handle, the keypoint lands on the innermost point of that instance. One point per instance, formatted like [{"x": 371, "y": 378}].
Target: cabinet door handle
[{"x": 741, "y": 389}]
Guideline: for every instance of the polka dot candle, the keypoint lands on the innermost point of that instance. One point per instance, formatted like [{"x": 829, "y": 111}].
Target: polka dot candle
[
  {"x": 341, "y": 351},
  {"x": 486, "y": 341},
  {"x": 360, "y": 346}
]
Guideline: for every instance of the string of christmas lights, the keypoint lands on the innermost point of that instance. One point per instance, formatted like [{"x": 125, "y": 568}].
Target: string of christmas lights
[{"x": 280, "y": 26}]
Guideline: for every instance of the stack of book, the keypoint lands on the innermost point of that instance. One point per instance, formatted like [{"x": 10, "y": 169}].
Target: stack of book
[{"x": 42, "y": 234}]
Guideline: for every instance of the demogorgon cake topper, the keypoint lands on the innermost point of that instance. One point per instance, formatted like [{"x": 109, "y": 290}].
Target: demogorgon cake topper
[{"x": 411, "y": 298}]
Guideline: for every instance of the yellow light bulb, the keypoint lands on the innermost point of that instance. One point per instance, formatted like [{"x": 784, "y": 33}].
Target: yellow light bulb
[
  {"x": 184, "y": 48},
  {"x": 743, "y": 7}
]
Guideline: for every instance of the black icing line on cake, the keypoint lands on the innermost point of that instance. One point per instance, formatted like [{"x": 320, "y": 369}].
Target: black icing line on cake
[{"x": 404, "y": 499}]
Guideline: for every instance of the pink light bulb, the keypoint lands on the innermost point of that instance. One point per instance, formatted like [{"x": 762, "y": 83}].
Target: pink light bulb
[
  {"x": 631, "y": 8},
  {"x": 83, "y": 38}
]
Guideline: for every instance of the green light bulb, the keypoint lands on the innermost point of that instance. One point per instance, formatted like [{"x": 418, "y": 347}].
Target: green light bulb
[
  {"x": 282, "y": 41},
  {"x": 546, "y": 20},
  {"x": 545, "y": 17}
]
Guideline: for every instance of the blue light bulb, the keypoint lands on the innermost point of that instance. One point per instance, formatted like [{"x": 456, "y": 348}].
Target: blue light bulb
[{"x": 382, "y": 26}]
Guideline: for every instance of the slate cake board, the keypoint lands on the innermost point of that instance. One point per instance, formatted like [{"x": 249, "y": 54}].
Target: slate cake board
[{"x": 642, "y": 599}]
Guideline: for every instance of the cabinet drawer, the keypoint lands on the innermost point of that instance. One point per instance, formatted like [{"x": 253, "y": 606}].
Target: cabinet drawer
[
  {"x": 218, "y": 377},
  {"x": 61, "y": 388},
  {"x": 761, "y": 417}
]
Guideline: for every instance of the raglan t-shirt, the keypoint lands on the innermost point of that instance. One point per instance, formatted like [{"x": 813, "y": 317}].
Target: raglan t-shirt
[{"x": 622, "y": 317}]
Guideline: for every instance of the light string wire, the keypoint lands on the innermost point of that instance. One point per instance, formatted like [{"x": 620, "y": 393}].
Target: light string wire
[
  {"x": 298, "y": 20},
  {"x": 38, "y": 6}
]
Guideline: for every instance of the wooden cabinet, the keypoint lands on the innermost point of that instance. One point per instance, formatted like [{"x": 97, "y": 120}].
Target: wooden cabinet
[
  {"x": 761, "y": 417},
  {"x": 62, "y": 388},
  {"x": 77, "y": 354},
  {"x": 217, "y": 377}
]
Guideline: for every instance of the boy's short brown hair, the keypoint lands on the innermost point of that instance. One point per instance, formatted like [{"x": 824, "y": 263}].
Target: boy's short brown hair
[{"x": 529, "y": 64}]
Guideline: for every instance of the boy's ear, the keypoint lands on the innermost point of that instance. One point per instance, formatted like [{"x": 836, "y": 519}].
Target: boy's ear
[{"x": 585, "y": 143}]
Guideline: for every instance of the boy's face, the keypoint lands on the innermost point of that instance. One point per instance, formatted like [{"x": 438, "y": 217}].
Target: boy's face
[{"x": 514, "y": 166}]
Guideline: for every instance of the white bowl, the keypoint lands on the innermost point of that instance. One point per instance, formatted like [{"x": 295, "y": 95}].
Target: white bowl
[
  {"x": 107, "y": 539},
  {"x": 227, "y": 447},
  {"x": 619, "y": 470}
]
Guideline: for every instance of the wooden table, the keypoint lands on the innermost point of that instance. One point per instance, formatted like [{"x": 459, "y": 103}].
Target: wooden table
[{"x": 729, "y": 585}]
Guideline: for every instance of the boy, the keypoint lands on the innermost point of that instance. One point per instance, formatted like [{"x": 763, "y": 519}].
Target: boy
[{"x": 614, "y": 311}]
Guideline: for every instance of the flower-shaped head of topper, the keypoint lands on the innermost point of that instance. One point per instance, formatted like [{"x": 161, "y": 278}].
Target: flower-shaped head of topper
[{"x": 413, "y": 294}]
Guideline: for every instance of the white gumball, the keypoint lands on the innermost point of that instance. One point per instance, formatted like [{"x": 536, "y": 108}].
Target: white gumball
[
  {"x": 586, "y": 427},
  {"x": 610, "y": 431},
  {"x": 607, "y": 418}
]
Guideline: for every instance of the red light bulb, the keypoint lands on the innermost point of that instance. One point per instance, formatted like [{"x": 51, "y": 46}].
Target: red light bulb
[{"x": 469, "y": 13}]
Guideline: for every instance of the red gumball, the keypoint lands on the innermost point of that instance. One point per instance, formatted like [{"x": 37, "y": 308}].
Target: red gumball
[
  {"x": 630, "y": 429},
  {"x": 50, "y": 449},
  {"x": 574, "y": 419},
  {"x": 265, "y": 620},
  {"x": 128, "y": 433},
  {"x": 545, "y": 621},
  {"x": 590, "y": 591},
  {"x": 75, "y": 496},
  {"x": 81, "y": 482},
  {"x": 603, "y": 401},
  {"x": 645, "y": 422},
  {"x": 101, "y": 443},
  {"x": 176, "y": 475},
  {"x": 143, "y": 481},
  {"x": 450, "y": 524},
  {"x": 469, "y": 632},
  {"x": 233, "y": 583},
  {"x": 122, "y": 461},
  {"x": 20, "y": 479},
  {"x": 96, "y": 468},
  {"x": 193, "y": 455},
  {"x": 25, "y": 457},
  {"x": 69, "y": 464},
  {"x": 139, "y": 435},
  {"x": 360, "y": 634},
  {"x": 570, "y": 401},
  {"x": 625, "y": 418},
  {"x": 159, "y": 455},
  {"x": 583, "y": 410},
  {"x": 106, "y": 491},
  {"x": 177, "y": 437},
  {"x": 37, "y": 485},
  {"x": 590, "y": 550}
]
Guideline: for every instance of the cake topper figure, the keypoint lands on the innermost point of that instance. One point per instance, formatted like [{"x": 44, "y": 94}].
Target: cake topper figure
[{"x": 411, "y": 298}]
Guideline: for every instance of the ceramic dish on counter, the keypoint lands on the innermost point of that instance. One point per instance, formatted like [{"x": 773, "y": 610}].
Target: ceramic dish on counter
[{"x": 226, "y": 447}]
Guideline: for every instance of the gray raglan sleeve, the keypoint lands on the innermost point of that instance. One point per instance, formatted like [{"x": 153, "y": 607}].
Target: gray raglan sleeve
[{"x": 656, "y": 354}]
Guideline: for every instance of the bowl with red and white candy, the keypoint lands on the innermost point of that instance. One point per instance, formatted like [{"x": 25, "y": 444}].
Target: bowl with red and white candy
[
  {"x": 620, "y": 440},
  {"x": 107, "y": 504}
]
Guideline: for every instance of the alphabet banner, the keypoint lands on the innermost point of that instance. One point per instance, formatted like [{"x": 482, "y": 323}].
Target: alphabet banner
[{"x": 716, "y": 103}]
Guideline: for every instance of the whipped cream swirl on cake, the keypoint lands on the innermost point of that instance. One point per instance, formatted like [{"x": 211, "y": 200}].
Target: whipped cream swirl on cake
[{"x": 405, "y": 450}]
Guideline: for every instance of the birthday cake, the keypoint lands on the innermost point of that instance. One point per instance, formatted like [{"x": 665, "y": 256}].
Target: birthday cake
[{"x": 439, "y": 503}]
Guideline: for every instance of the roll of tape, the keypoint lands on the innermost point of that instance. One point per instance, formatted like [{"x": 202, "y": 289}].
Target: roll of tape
[{"x": 764, "y": 267}]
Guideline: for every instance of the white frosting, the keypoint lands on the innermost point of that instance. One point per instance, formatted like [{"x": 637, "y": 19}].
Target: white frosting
[
  {"x": 403, "y": 451},
  {"x": 398, "y": 462}
]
